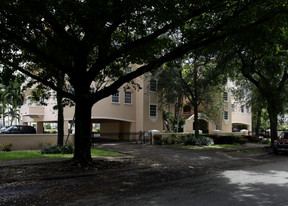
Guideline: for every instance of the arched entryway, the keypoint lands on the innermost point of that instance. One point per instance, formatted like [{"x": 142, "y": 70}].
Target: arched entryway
[{"x": 203, "y": 125}]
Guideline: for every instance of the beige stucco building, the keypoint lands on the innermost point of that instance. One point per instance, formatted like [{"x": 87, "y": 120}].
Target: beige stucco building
[
  {"x": 236, "y": 116},
  {"x": 130, "y": 111},
  {"x": 124, "y": 112}
]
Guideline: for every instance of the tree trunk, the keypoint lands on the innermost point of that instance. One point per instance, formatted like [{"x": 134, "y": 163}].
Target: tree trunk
[
  {"x": 273, "y": 124},
  {"x": 258, "y": 121},
  {"x": 60, "y": 138},
  {"x": 3, "y": 115},
  {"x": 82, "y": 153},
  {"x": 195, "y": 100},
  {"x": 196, "y": 122},
  {"x": 60, "y": 84}
]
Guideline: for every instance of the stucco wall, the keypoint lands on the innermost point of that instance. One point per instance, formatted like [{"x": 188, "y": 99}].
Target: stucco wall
[{"x": 30, "y": 141}]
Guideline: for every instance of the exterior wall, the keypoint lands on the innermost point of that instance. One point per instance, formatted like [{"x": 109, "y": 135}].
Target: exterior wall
[
  {"x": 239, "y": 117},
  {"x": 113, "y": 117},
  {"x": 235, "y": 118},
  {"x": 105, "y": 109},
  {"x": 30, "y": 141},
  {"x": 31, "y": 112},
  {"x": 226, "y": 124},
  {"x": 151, "y": 98},
  {"x": 188, "y": 127},
  {"x": 242, "y": 118}
]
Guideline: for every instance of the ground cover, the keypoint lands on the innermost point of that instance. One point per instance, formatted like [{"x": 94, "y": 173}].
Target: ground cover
[{"x": 35, "y": 154}]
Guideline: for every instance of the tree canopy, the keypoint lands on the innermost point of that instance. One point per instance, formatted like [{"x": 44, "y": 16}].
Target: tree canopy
[
  {"x": 263, "y": 61},
  {"x": 92, "y": 42}
]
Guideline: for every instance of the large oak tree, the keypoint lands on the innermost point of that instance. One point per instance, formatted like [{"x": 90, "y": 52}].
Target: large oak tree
[
  {"x": 94, "y": 40},
  {"x": 264, "y": 62}
]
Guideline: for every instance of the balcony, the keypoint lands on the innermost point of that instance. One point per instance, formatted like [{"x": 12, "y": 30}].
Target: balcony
[{"x": 32, "y": 111}]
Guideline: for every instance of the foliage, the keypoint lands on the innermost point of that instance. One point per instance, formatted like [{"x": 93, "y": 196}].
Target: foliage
[
  {"x": 184, "y": 139},
  {"x": 50, "y": 131},
  {"x": 11, "y": 96},
  {"x": 56, "y": 149},
  {"x": 263, "y": 62},
  {"x": 48, "y": 126},
  {"x": 228, "y": 139},
  {"x": 157, "y": 139},
  {"x": 266, "y": 141},
  {"x": 6, "y": 147},
  {"x": 200, "y": 141},
  {"x": 172, "y": 123},
  {"x": 195, "y": 80},
  {"x": 253, "y": 139}
]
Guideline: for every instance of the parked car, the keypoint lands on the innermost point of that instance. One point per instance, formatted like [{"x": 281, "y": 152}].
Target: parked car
[
  {"x": 281, "y": 143},
  {"x": 19, "y": 129},
  {"x": 3, "y": 128},
  {"x": 234, "y": 129}
]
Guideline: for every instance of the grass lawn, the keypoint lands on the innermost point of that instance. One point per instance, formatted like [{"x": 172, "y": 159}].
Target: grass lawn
[
  {"x": 218, "y": 146},
  {"x": 35, "y": 154}
]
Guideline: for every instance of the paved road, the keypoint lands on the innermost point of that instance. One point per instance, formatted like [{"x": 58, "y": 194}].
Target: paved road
[{"x": 261, "y": 185}]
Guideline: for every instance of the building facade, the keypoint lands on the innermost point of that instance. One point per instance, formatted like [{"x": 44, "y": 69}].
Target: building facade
[
  {"x": 236, "y": 116},
  {"x": 126, "y": 111},
  {"x": 132, "y": 110}
]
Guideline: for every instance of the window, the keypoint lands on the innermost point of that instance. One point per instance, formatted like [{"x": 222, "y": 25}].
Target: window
[
  {"x": 225, "y": 115},
  {"x": 187, "y": 109},
  {"x": 115, "y": 97},
  {"x": 242, "y": 109},
  {"x": 153, "y": 85},
  {"x": 225, "y": 96},
  {"x": 232, "y": 108},
  {"x": 128, "y": 98},
  {"x": 153, "y": 110},
  {"x": 247, "y": 110}
]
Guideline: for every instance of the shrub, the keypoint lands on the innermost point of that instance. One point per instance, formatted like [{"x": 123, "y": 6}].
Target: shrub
[
  {"x": 6, "y": 147},
  {"x": 228, "y": 139},
  {"x": 157, "y": 139},
  {"x": 68, "y": 148},
  {"x": 253, "y": 138},
  {"x": 200, "y": 141},
  {"x": 266, "y": 141},
  {"x": 55, "y": 149},
  {"x": 50, "y": 149},
  {"x": 50, "y": 132}
]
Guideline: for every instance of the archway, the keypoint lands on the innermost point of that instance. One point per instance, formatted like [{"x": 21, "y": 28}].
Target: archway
[{"x": 203, "y": 125}]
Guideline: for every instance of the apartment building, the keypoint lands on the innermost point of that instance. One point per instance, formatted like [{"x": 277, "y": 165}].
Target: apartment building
[
  {"x": 236, "y": 116},
  {"x": 123, "y": 112},
  {"x": 129, "y": 111}
]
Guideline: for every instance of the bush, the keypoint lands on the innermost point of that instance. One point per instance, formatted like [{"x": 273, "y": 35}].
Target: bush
[
  {"x": 50, "y": 132},
  {"x": 265, "y": 141},
  {"x": 6, "y": 147},
  {"x": 200, "y": 141},
  {"x": 55, "y": 149},
  {"x": 229, "y": 139},
  {"x": 157, "y": 139},
  {"x": 68, "y": 148},
  {"x": 253, "y": 139}
]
